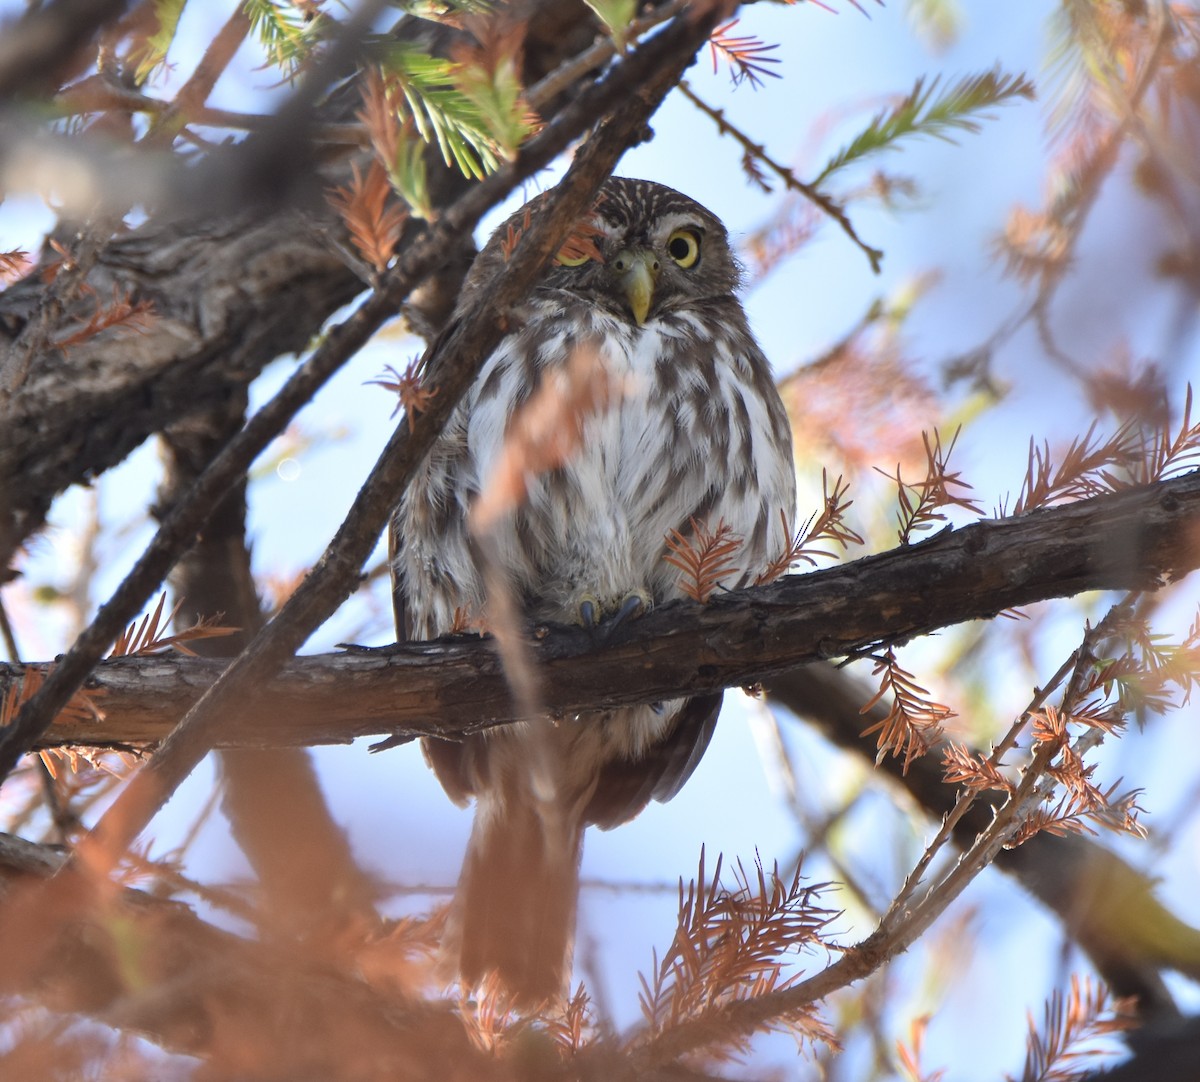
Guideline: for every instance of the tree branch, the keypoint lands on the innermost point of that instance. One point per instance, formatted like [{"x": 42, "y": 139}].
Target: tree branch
[
  {"x": 1095, "y": 894},
  {"x": 626, "y": 97},
  {"x": 46, "y": 36},
  {"x": 640, "y": 76},
  {"x": 1138, "y": 539},
  {"x": 71, "y": 414}
]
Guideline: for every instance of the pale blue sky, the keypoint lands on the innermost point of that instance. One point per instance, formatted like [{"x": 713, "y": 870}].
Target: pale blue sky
[{"x": 838, "y": 69}]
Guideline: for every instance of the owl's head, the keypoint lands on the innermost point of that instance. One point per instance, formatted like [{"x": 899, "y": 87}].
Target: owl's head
[{"x": 645, "y": 249}]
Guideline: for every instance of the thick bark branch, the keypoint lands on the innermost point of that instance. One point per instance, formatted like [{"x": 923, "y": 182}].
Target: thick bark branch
[
  {"x": 1139, "y": 539},
  {"x": 230, "y": 293},
  {"x": 35, "y": 47},
  {"x": 228, "y": 297}
]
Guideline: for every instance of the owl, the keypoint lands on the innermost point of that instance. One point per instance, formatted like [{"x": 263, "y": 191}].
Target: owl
[{"x": 689, "y": 434}]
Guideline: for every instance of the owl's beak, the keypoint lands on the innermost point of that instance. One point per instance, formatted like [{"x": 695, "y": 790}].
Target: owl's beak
[{"x": 637, "y": 271}]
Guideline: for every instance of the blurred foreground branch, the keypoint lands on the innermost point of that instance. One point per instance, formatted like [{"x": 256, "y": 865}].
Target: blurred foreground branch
[{"x": 205, "y": 991}]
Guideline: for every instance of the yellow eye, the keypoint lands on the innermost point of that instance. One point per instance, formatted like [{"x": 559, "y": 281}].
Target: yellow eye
[
  {"x": 565, "y": 260},
  {"x": 683, "y": 246}
]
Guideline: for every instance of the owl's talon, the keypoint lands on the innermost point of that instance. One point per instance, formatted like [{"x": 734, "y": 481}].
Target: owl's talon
[
  {"x": 634, "y": 603},
  {"x": 589, "y": 611}
]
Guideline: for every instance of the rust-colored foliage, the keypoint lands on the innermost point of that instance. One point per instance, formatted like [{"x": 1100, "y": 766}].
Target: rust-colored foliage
[
  {"x": 377, "y": 115},
  {"x": 1109, "y": 56},
  {"x": 467, "y": 621},
  {"x": 488, "y": 74},
  {"x": 730, "y": 945},
  {"x": 787, "y": 231},
  {"x": 571, "y": 1023},
  {"x": 865, "y": 378},
  {"x": 1151, "y": 669},
  {"x": 275, "y": 587},
  {"x": 80, "y": 707},
  {"x": 914, "y": 721},
  {"x": 1066, "y": 1047},
  {"x": 489, "y": 1019},
  {"x": 400, "y": 957},
  {"x": 746, "y": 55},
  {"x": 909, "y": 1052},
  {"x": 828, "y": 526},
  {"x": 1084, "y": 469},
  {"x": 1171, "y": 451},
  {"x": 1034, "y": 244},
  {"x": 704, "y": 558},
  {"x": 1126, "y": 76},
  {"x": 374, "y": 225},
  {"x": 122, "y": 312},
  {"x": 581, "y": 243},
  {"x": 13, "y": 264},
  {"x": 1081, "y": 807},
  {"x": 149, "y": 636},
  {"x": 972, "y": 771},
  {"x": 66, "y": 261},
  {"x": 513, "y": 235},
  {"x": 412, "y": 395},
  {"x": 923, "y": 504}
]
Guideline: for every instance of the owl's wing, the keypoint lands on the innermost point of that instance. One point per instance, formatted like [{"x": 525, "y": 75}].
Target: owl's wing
[
  {"x": 453, "y": 761},
  {"x": 626, "y": 786},
  {"x": 395, "y": 541}
]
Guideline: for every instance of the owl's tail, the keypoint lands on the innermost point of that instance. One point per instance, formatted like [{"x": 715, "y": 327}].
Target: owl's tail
[{"x": 514, "y": 910}]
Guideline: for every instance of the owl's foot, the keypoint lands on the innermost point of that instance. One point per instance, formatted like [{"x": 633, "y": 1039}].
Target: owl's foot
[{"x": 591, "y": 612}]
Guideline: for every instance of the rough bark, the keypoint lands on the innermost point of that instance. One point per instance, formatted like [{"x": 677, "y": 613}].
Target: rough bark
[
  {"x": 228, "y": 298},
  {"x": 1138, "y": 539},
  {"x": 230, "y": 292}
]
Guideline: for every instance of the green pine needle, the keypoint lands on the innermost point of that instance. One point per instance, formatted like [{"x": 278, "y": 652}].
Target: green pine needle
[
  {"x": 474, "y": 119},
  {"x": 920, "y": 113},
  {"x": 408, "y": 176},
  {"x": 286, "y": 36},
  {"x": 616, "y": 16},
  {"x": 153, "y": 51}
]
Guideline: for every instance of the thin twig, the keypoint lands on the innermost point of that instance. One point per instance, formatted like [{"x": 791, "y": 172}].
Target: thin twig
[
  {"x": 793, "y": 182},
  {"x": 45, "y": 36},
  {"x": 194, "y": 93},
  {"x": 1087, "y": 187},
  {"x": 902, "y": 925},
  {"x": 570, "y": 71}
]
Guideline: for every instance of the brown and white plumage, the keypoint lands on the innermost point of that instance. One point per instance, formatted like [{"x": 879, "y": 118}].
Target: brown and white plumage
[{"x": 697, "y": 432}]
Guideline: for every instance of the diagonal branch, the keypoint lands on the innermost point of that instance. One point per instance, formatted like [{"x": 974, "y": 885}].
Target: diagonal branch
[
  {"x": 47, "y": 36},
  {"x": 638, "y": 85},
  {"x": 230, "y": 292},
  {"x": 651, "y": 67}
]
